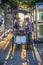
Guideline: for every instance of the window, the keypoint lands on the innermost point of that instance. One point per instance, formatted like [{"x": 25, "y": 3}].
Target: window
[{"x": 40, "y": 16}]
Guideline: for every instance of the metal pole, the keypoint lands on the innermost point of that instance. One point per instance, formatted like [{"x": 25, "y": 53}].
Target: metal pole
[
  {"x": 36, "y": 22},
  {"x": 13, "y": 28},
  {"x": 4, "y": 23},
  {"x": 12, "y": 42},
  {"x": 13, "y": 33}
]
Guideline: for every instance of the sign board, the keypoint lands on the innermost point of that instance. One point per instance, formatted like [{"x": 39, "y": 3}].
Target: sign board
[{"x": 39, "y": 6}]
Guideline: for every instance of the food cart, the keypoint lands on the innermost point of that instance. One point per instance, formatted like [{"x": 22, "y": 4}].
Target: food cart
[{"x": 19, "y": 36}]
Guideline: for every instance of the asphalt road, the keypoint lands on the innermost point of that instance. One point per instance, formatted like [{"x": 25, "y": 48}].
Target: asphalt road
[{"x": 21, "y": 56}]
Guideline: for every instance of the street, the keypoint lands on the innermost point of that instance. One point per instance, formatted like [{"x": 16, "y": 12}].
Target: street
[{"x": 21, "y": 56}]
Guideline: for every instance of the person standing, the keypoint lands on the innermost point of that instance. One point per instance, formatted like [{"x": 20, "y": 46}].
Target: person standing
[
  {"x": 28, "y": 27},
  {"x": 16, "y": 24}
]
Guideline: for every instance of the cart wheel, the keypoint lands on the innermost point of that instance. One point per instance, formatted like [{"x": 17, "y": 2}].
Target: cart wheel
[{"x": 28, "y": 46}]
